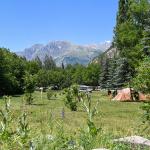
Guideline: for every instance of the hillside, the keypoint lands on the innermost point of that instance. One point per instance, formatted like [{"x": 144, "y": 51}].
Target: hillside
[{"x": 109, "y": 53}]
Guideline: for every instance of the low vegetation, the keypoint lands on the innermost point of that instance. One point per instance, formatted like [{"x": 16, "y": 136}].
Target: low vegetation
[{"x": 92, "y": 125}]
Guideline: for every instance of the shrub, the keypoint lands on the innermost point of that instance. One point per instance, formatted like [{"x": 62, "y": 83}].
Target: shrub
[
  {"x": 70, "y": 100},
  {"x": 10, "y": 136},
  {"x": 146, "y": 118},
  {"x": 29, "y": 98},
  {"x": 73, "y": 96},
  {"x": 29, "y": 87},
  {"x": 6, "y": 119},
  {"x": 49, "y": 94},
  {"x": 23, "y": 129},
  {"x": 88, "y": 136}
]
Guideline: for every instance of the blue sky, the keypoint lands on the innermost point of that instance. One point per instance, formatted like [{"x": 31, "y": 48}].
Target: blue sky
[{"x": 27, "y": 22}]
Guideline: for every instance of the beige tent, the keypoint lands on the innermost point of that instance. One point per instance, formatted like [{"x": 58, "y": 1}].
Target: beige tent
[{"x": 125, "y": 95}]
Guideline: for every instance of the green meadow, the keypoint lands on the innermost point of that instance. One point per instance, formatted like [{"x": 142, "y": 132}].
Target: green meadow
[{"x": 118, "y": 118}]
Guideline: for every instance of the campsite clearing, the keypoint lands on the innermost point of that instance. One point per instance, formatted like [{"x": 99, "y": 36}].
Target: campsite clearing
[{"x": 118, "y": 118}]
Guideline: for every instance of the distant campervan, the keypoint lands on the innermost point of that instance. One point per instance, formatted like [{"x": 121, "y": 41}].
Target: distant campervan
[{"x": 85, "y": 88}]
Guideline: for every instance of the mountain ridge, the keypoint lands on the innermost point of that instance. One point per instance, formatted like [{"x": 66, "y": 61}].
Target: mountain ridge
[{"x": 66, "y": 52}]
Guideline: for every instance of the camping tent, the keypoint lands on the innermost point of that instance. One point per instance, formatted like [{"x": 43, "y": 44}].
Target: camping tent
[{"x": 126, "y": 95}]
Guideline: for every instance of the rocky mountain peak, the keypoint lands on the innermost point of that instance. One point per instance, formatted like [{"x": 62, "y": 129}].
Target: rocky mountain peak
[{"x": 64, "y": 51}]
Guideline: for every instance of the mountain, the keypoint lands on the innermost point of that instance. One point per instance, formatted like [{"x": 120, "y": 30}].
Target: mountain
[
  {"x": 111, "y": 52},
  {"x": 66, "y": 52}
]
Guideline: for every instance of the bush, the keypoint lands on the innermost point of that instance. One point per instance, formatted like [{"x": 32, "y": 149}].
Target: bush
[
  {"x": 49, "y": 94},
  {"x": 29, "y": 87},
  {"x": 141, "y": 82},
  {"x": 70, "y": 100},
  {"x": 13, "y": 137},
  {"x": 6, "y": 119},
  {"x": 146, "y": 118},
  {"x": 29, "y": 98}
]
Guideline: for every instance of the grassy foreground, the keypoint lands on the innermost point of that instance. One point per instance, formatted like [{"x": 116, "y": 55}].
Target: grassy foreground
[
  {"x": 118, "y": 118},
  {"x": 121, "y": 118}
]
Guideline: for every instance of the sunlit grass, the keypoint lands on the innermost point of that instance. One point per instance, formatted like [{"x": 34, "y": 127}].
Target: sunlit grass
[{"x": 118, "y": 118}]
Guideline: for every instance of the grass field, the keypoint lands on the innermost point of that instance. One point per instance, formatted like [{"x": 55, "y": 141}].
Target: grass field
[{"x": 118, "y": 118}]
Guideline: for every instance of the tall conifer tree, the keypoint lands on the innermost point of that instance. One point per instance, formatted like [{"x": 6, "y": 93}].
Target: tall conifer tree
[
  {"x": 146, "y": 39},
  {"x": 104, "y": 76},
  {"x": 49, "y": 63},
  {"x": 122, "y": 73},
  {"x": 37, "y": 59}
]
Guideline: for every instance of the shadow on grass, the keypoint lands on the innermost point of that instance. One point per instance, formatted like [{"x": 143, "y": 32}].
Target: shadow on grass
[
  {"x": 16, "y": 95},
  {"x": 37, "y": 104}
]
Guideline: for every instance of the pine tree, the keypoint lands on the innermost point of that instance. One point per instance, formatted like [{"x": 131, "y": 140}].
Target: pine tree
[
  {"x": 62, "y": 65},
  {"x": 2, "y": 71},
  {"x": 122, "y": 73},
  {"x": 142, "y": 79},
  {"x": 122, "y": 13},
  {"x": 49, "y": 63},
  {"x": 37, "y": 59},
  {"x": 129, "y": 30},
  {"x": 122, "y": 16},
  {"x": 111, "y": 73},
  {"x": 104, "y": 76},
  {"x": 146, "y": 39}
]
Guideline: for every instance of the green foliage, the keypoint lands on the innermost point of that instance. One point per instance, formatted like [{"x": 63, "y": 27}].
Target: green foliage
[
  {"x": 65, "y": 134},
  {"x": 70, "y": 102},
  {"x": 122, "y": 73},
  {"x": 116, "y": 73},
  {"x": 2, "y": 71},
  {"x": 129, "y": 30},
  {"x": 110, "y": 82},
  {"x": 39, "y": 62},
  {"x": 42, "y": 78},
  {"x": 78, "y": 76},
  {"x": 146, "y": 118},
  {"x": 88, "y": 136},
  {"x": 122, "y": 15},
  {"x": 72, "y": 97},
  {"x": 132, "y": 27},
  {"x": 141, "y": 81},
  {"x": 57, "y": 78},
  {"x": 75, "y": 92},
  {"x": 104, "y": 76},
  {"x": 146, "y": 39},
  {"x": 6, "y": 119},
  {"x": 29, "y": 82},
  {"x": 11, "y": 136},
  {"x": 91, "y": 112},
  {"x": 29, "y": 98},
  {"x": 49, "y": 94},
  {"x": 12, "y": 69},
  {"x": 49, "y": 63},
  {"x": 32, "y": 67},
  {"x": 91, "y": 75},
  {"x": 23, "y": 129},
  {"x": 60, "y": 140}
]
